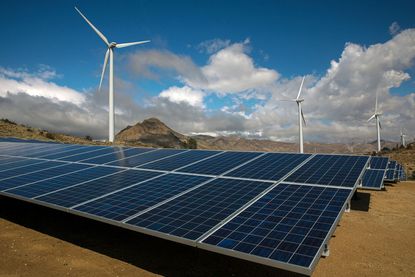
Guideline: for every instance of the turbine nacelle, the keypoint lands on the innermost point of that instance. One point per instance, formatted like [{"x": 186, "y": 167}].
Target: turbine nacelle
[{"x": 112, "y": 45}]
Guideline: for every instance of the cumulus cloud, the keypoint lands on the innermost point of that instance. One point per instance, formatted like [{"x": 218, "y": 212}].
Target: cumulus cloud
[
  {"x": 184, "y": 95},
  {"x": 213, "y": 45}
]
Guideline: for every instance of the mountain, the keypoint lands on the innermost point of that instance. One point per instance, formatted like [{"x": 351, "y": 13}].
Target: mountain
[{"x": 154, "y": 133}]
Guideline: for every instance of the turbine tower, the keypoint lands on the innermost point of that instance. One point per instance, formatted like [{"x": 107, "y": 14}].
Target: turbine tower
[
  {"x": 403, "y": 142},
  {"x": 301, "y": 118},
  {"x": 110, "y": 53},
  {"x": 376, "y": 117}
]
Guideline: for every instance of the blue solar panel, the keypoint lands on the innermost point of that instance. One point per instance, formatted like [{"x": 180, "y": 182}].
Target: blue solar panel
[
  {"x": 330, "y": 170},
  {"x": 7, "y": 160},
  {"x": 28, "y": 149},
  {"x": 71, "y": 152},
  {"x": 146, "y": 157},
  {"x": 120, "y": 205},
  {"x": 390, "y": 175},
  {"x": 52, "y": 150},
  {"x": 124, "y": 153},
  {"x": 175, "y": 162},
  {"x": 271, "y": 166},
  {"x": 287, "y": 225},
  {"x": 196, "y": 212},
  {"x": 39, "y": 175},
  {"x": 26, "y": 167},
  {"x": 392, "y": 164},
  {"x": 61, "y": 182},
  {"x": 379, "y": 162},
  {"x": 220, "y": 164},
  {"x": 373, "y": 179},
  {"x": 78, "y": 194},
  {"x": 88, "y": 155}
]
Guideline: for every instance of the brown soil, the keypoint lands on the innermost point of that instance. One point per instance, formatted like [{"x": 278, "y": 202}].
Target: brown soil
[{"x": 377, "y": 238}]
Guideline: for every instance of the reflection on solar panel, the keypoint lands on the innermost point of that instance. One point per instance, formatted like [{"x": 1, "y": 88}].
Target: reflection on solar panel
[
  {"x": 122, "y": 154},
  {"x": 221, "y": 163},
  {"x": 61, "y": 182},
  {"x": 379, "y": 162},
  {"x": 196, "y": 212},
  {"x": 330, "y": 170},
  {"x": 242, "y": 208},
  {"x": 271, "y": 166},
  {"x": 287, "y": 226},
  {"x": 373, "y": 179},
  {"x": 78, "y": 194},
  {"x": 125, "y": 203},
  {"x": 177, "y": 161},
  {"x": 39, "y": 175},
  {"x": 146, "y": 157}
]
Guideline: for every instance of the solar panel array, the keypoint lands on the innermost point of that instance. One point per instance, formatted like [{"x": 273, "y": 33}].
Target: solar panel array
[
  {"x": 373, "y": 177},
  {"x": 277, "y": 209}
]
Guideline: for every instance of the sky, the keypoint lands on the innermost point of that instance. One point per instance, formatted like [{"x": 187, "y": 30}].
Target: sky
[{"x": 213, "y": 67}]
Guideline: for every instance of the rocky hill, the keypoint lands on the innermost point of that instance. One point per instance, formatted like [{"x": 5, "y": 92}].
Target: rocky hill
[{"x": 152, "y": 132}]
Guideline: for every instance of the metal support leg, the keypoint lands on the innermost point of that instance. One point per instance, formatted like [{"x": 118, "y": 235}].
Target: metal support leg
[
  {"x": 348, "y": 204},
  {"x": 326, "y": 251}
]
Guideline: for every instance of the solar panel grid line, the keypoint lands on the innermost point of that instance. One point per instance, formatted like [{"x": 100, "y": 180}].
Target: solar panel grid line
[
  {"x": 242, "y": 164},
  {"x": 373, "y": 176},
  {"x": 201, "y": 160},
  {"x": 10, "y": 160},
  {"x": 173, "y": 155},
  {"x": 81, "y": 183},
  {"x": 64, "y": 174},
  {"x": 248, "y": 204},
  {"x": 378, "y": 162},
  {"x": 55, "y": 151},
  {"x": 109, "y": 154},
  {"x": 118, "y": 190},
  {"x": 83, "y": 153},
  {"x": 167, "y": 200},
  {"x": 286, "y": 265},
  {"x": 23, "y": 150},
  {"x": 30, "y": 172},
  {"x": 25, "y": 163},
  {"x": 361, "y": 173},
  {"x": 73, "y": 152}
]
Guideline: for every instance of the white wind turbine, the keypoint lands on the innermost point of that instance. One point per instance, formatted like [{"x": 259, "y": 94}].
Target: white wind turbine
[
  {"x": 376, "y": 117},
  {"x": 403, "y": 142},
  {"x": 110, "y": 53},
  {"x": 301, "y": 118}
]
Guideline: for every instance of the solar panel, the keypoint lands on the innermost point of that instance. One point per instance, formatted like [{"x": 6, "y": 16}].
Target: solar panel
[
  {"x": 220, "y": 164},
  {"x": 392, "y": 164},
  {"x": 271, "y": 166},
  {"x": 390, "y": 175},
  {"x": 39, "y": 175},
  {"x": 64, "y": 181},
  {"x": 286, "y": 228},
  {"x": 196, "y": 212},
  {"x": 373, "y": 179},
  {"x": 240, "y": 209},
  {"x": 124, "y": 153},
  {"x": 120, "y": 205},
  {"x": 177, "y": 161},
  {"x": 146, "y": 157},
  {"x": 90, "y": 190},
  {"x": 379, "y": 162},
  {"x": 26, "y": 167},
  {"x": 330, "y": 170}
]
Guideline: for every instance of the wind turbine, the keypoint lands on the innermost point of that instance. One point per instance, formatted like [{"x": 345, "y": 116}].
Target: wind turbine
[
  {"x": 110, "y": 53},
  {"x": 403, "y": 142},
  {"x": 301, "y": 118},
  {"x": 376, "y": 117}
]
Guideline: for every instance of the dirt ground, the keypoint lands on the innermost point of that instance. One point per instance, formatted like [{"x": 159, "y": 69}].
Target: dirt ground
[{"x": 377, "y": 238}]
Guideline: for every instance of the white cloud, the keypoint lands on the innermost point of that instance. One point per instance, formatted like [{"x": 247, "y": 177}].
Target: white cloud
[
  {"x": 184, "y": 95},
  {"x": 213, "y": 45},
  {"x": 37, "y": 84}
]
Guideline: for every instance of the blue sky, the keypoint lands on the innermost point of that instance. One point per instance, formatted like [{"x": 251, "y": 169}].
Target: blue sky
[{"x": 291, "y": 38}]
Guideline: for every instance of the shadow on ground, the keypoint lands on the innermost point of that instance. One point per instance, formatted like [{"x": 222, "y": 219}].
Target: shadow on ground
[
  {"x": 360, "y": 201},
  {"x": 146, "y": 252}
]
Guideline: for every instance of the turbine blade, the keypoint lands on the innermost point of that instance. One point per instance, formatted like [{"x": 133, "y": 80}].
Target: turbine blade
[
  {"x": 301, "y": 87},
  {"x": 94, "y": 28},
  {"x": 122, "y": 45},
  {"x": 302, "y": 116},
  {"x": 103, "y": 68},
  {"x": 372, "y": 117},
  {"x": 380, "y": 125},
  {"x": 288, "y": 100}
]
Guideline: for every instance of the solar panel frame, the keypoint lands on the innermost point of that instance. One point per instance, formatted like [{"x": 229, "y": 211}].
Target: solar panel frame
[{"x": 378, "y": 162}]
